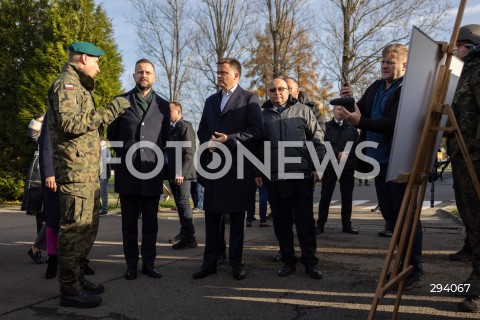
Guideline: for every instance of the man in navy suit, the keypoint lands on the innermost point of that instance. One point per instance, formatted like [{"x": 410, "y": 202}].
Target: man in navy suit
[
  {"x": 144, "y": 131},
  {"x": 230, "y": 117}
]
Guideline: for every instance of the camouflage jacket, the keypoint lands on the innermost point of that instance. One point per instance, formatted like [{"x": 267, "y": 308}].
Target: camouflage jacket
[
  {"x": 466, "y": 107},
  {"x": 74, "y": 122}
]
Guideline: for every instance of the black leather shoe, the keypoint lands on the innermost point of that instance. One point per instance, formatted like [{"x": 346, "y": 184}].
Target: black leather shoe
[
  {"x": 88, "y": 271},
  {"x": 94, "y": 288},
  {"x": 350, "y": 230},
  {"x": 238, "y": 273},
  {"x": 385, "y": 233},
  {"x": 185, "y": 244},
  {"x": 151, "y": 271},
  {"x": 277, "y": 256},
  {"x": 314, "y": 271},
  {"x": 81, "y": 299},
  {"x": 131, "y": 273},
  {"x": 221, "y": 259},
  {"x": 319, "y": 230},
  {"x": 178, "y": 237},
  {"x": 36, "y": 256},
  {"x": 204, "y": 272},
  {"x": 287, "y": 269}
]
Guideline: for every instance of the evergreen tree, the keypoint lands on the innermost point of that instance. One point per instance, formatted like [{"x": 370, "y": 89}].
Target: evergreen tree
[{"x": 34, "y": 36}]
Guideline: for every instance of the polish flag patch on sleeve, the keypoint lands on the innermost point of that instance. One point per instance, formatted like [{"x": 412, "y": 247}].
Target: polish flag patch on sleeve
[{"x": 68, "y": 86}]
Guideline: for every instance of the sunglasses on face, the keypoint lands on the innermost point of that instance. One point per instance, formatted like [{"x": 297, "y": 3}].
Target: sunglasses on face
[{"x": 279, "y": 89}]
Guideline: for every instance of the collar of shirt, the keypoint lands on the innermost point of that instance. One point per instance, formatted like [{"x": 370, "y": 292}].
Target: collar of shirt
[
  {"x": 393, "y": 86},
  {"x": 229, "y": 92},
  {"x": 339, "y": 122},
  {"x": 281, "y": 108}
]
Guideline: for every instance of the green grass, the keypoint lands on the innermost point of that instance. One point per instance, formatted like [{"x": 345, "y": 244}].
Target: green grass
[
  {"x": 454, "y": 211},
  {"x": 114, "y": 204}
]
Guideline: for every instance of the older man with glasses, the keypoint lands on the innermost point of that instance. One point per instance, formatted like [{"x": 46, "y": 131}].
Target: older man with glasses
[{"x": 286, "y": 119}]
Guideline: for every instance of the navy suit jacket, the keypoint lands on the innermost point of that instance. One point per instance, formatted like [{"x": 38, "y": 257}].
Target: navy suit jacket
[
  {"x": 241, "y": 119},
  {"x": 130, "y": 128}
]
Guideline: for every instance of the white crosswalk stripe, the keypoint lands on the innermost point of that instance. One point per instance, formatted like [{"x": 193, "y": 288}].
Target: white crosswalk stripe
[
  {"x": 354, "y": 203},
  {"x": 335, "y": 204}
]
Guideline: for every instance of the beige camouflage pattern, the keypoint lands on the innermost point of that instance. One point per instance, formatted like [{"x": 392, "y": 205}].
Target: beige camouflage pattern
[
  {"x": 79, "y": 220},
  {"x": 74, "y": 124},
  {"x": 466, "y": 106}
]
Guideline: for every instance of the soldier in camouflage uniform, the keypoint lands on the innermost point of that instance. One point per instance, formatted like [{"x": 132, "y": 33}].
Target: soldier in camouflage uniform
[
  {"x": 74, "y": 122},
  {"x": 466, "y": 106}
]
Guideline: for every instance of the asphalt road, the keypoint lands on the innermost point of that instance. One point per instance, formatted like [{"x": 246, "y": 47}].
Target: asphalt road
[
  {"x": 442, "y": 192},
  {"x": 351, "y": 265}
]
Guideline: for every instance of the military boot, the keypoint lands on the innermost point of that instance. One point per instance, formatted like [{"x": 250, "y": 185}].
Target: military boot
[
  {"x": 94, "y": 288},
  {"x": 471, "y": 304},
  {"x": 81, "y": 299},
  {"x": 461, "y": 255}
]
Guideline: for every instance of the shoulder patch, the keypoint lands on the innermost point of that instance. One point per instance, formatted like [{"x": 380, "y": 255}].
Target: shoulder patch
[{"x": 68, "y": 86}]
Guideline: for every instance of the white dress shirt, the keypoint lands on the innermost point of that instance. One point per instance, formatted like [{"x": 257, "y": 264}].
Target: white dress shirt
[{"x": 226, "y": 96}]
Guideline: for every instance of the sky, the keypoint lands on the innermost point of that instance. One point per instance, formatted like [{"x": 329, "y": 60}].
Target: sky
[{"x": 121, "y": 11}]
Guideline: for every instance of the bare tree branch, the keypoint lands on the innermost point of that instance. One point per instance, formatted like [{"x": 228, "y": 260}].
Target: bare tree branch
[
  {"x": 355, "y": 32},
  {"x": 162, "y": 29}
]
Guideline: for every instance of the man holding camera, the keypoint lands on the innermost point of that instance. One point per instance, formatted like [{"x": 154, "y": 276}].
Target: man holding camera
[{"x": 375, "y": 114}]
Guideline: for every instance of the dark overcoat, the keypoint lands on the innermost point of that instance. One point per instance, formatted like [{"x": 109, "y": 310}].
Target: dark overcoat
[
  {"x": 51, "y": 199},
  {"x": 183, "y": 131},
  {"x": 241, "y": 119},
  {"x": 151, "y": 128}
]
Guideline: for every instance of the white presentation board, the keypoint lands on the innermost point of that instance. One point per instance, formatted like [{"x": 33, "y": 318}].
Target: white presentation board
[{"x": 423, "y": 64}]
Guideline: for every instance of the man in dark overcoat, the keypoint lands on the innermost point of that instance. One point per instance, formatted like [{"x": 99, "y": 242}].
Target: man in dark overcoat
[
  {"x": 144, "y": 131},
  {"x": 231, "y": 117}
]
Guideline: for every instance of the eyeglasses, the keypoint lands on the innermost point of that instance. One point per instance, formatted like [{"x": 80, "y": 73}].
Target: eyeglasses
[{"x": 279, "y": 89}]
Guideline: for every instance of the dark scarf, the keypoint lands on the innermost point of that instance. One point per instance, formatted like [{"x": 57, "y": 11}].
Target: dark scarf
[{"x": 143, "y": 102}]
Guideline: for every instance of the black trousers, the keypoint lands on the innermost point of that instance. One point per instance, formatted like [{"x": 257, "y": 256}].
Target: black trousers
[
  {"x": 329, "y": 181},
  {"x": 132, "y": 206},
  {"x": 214, "y": 241},
  {"x": 288, "y": 199},
  {"x": 390, "y": 196},
  {"x": 181, "y": 194}
]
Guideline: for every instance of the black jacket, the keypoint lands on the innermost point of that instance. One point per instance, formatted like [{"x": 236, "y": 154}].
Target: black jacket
[
  {"x": 384, "y": 125},
  {"x": 302, "y": 98},
  {"x": 183, "y": 131},
  {"x": 51, "y": 199},
  {"x": 130, "y": 128},
  {"x": 296, "y": 123},
  {"x": 241, "y": 119},
  {"x": 338, "y": 136}
]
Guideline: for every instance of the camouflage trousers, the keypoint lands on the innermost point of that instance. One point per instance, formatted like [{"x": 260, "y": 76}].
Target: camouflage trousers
[
  {"x": 468, "y": 205},
  {"x": 79, "y": 218}
]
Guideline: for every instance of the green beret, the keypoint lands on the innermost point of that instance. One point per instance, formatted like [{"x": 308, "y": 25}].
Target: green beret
[{"x": 87, "y": 48}]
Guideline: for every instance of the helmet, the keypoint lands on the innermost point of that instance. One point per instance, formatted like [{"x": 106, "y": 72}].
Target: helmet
[{"x": 469, "y": 32}]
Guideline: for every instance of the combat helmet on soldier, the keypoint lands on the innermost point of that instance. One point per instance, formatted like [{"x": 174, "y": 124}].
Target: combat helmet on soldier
[
  {"x": 470, "y": 33},
  {"x": 468, "y": 38}
]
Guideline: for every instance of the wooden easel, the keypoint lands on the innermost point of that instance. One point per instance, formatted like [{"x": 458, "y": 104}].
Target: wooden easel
[{"x": 409, "y": 214}]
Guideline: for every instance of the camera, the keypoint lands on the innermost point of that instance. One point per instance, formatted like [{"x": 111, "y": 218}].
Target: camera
[{"x": 347, "y": 103}]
